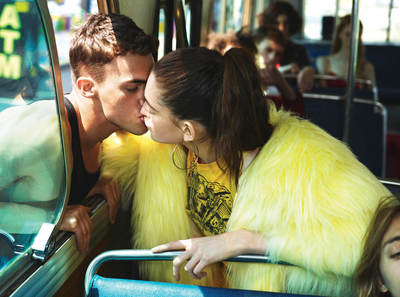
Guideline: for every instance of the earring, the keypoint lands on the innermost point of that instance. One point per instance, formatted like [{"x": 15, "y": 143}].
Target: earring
[{"x": 186, "y": 168}]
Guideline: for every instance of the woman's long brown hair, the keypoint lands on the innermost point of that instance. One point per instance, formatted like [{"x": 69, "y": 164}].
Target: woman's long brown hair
[
  {"x": 223, "y": 93},
  {"x": 367, "y": 273}
]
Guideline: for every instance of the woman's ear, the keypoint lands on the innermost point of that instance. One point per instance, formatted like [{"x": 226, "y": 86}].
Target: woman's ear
[
  {"x": 382, "y": 287},
  {"x": 189, "y": 131},
  {"x": 86, "y": 86}
]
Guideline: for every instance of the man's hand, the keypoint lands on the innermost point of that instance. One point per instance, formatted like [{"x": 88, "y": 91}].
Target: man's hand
[
  {"x": 77, "y": 220},
  {"x": 270, "y": 76},
  {"x": 305, "y": 79},
  {"x": 110, "y": 191}
]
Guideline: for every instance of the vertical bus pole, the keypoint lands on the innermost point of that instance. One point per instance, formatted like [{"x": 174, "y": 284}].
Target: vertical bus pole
[{"x": 351, "y": 71}]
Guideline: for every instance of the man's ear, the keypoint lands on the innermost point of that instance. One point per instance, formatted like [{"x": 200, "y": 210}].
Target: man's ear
[
  {"x": 86, "y": 86},
  {"x": 189, "y": 131}
]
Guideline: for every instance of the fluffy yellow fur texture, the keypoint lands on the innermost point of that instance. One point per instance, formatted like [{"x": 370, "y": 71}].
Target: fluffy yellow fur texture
[
  {"x": 305, "y": 192},
  {"x": 158, "y": 207}
]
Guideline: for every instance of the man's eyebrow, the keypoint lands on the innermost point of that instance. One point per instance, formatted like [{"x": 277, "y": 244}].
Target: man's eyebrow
[
  {"x": 137, "y": 81},
  {"x": 140, "y": 81},
  {"x": 393, "y": 239}
]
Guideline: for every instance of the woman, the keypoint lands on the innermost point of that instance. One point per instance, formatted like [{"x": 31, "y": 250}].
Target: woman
[
  {"x": 241, "y": 179},
  {"x": 378, "y": 273},
  {"x": 337, "y": 63},
  {"x": 282, "y": 16}
]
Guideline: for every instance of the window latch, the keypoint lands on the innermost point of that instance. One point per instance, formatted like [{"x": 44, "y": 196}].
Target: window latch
[{"x": 43, "y": 246}]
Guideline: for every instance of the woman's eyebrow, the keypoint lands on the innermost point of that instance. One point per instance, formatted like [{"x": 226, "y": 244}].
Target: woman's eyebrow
[
  {"x": 393, "y": 239},
  {"x": 148, "y": 103}
]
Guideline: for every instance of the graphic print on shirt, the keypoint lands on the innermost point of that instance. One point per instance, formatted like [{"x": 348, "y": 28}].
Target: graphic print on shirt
[{"x": 209, "y": 204}]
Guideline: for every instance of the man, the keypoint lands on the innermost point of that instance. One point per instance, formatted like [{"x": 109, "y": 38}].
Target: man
[
  {"x": 271, "y": 47},
  {"x": 110, "y": 59}
]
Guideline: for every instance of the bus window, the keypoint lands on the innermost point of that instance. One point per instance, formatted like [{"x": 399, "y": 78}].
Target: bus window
[
  {"x": 32, "y": 166},
  {"x": 66, "y": 16}
]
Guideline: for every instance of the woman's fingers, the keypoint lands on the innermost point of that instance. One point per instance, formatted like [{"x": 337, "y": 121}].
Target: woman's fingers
[
  {"x": 170, "y": 246},
  {"x": 177, "y": 263},
  {"x": 198, "y": 269},
  {"x": 193, "y": 255},
  {"x": 191, "y": 264}
]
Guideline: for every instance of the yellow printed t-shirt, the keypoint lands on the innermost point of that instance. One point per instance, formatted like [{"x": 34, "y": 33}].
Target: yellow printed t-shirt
[{"x": 210, "y": 196}]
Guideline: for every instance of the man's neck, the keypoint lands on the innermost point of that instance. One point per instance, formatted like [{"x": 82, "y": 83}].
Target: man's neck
[{"x": 92, "y": 124}]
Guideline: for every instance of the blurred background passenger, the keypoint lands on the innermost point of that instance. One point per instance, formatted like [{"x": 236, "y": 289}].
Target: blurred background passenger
[
  {"x": 222, "y": 42},
  {"x": 378, "y": 273},
  {"x": 266, "y": 54},
  {"x": 284, "y": 17},
  {"x": 337, "y": 62},
  {"x": 271, "y": 47}
]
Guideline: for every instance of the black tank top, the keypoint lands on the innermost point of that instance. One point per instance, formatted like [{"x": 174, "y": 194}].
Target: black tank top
[{"x": 81, "y": 180}]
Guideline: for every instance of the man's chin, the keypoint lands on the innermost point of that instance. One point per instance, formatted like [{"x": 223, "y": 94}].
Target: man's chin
[{"x": 138, "y": 130}]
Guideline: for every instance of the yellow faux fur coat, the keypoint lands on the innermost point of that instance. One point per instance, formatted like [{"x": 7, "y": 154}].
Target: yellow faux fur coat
[{"x": 305, "y": 192}]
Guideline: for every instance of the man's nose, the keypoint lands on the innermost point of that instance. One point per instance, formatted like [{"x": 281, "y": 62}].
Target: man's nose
[
  {"x": 272, "y": 56},
  {"x": 282, "y": 27}
]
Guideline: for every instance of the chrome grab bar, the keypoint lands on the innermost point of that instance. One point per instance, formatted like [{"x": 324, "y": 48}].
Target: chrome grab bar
[{"x": 140, "y": 255}]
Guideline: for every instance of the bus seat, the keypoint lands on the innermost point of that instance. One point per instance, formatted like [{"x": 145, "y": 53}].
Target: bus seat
[
  {"x": 368, "y": 126},
  {"x": 113, "y": 287},
  {"x": 98, "y": 286},
  {"x": 393, "y": 155},
  {"x": 380, "y": 55},
  {"x": 332, "y": 85}
]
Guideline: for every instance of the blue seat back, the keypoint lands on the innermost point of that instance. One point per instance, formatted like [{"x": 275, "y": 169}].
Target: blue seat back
[
  {"x": 113, "y": 287},
  {"x": 368, "y": 127},
  {"x": 382, "y": 56},
  {"x": 97, "y": 286}
]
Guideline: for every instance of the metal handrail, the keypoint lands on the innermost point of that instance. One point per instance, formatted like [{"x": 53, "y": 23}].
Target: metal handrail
[
  {"x": 352, "y": 67},
  {"x": 140, "y": 255}
]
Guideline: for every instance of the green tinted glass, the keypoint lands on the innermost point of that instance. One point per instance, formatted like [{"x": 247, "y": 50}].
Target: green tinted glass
[{"x": 32, "y": 173}]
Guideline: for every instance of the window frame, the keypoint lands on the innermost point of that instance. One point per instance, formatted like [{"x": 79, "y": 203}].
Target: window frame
[{"x": 25, "y": 263}]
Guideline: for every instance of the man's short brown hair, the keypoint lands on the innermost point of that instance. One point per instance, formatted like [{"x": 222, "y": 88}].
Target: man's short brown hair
[{"x": 102, "y": 38}]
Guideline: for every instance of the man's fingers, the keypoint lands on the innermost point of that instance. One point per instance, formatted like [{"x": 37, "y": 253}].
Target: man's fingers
[
  {"x": 113, "y": 200},
  {"x": 86, "y": 228},
  {"x": 80, "y": 238}
]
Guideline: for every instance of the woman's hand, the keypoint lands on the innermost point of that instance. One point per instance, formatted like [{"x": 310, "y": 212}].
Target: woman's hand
[
  {"x": 203, "y": 251},
  {"x": 77, "y": 220}
]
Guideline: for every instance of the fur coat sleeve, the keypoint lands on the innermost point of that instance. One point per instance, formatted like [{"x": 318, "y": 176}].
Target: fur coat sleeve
[{"x": 312, "y": 200}]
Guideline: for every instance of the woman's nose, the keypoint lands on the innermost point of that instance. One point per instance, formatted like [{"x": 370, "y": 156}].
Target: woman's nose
[{"x": 143, "y": 110}]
